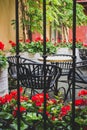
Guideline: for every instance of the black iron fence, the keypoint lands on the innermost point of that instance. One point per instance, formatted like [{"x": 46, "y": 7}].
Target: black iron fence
[{"x": 68, "y": 122}]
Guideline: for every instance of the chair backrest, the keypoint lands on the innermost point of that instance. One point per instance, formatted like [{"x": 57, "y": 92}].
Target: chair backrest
[
  {"x": 31, "y": 75},
  {"x": 83, "y": 54},
  {"x": 12, "y": 61},
  {"x": 65, "y": 65},
  {"x": 80, "y": 72},
  {"x": 80, "y": 77}
]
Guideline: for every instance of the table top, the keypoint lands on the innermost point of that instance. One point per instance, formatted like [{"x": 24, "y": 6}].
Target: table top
[{"x": 56, "y": 59}]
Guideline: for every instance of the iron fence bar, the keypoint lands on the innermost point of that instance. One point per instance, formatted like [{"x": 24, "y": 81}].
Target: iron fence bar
[
  {"x": 17, "y": 55},
  {"x": 74, "y": 60},
  {"x": 44, "y": 60}
]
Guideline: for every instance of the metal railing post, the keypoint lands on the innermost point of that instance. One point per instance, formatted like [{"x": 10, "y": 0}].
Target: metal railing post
[
  {"x": 44, "y": 60},
  {"x": 17, "y": 55},
  {"x": 74, "y": 60}
]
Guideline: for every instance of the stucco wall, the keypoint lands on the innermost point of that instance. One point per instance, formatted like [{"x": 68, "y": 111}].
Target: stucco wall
[
  {"x": 81, "y": 34},
  {"x": 7, "y": 13}
]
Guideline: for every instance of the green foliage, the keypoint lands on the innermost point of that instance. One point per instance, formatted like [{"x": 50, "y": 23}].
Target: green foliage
[
  {"x": 21, "y": 48},
  {"x": 3, "y": 61},
  {"x": 31, "y": 110},
  {"x": 59, "y": 15},
  {"x": 51, "y": 48},
  {"x": 37, "y": 47},
  {"x": 34, "y": 46},
  {"x": 34, "y": 15},
  {"x": 58, "y": 113},
  {"x": 58, "y": 11},
  {"x": 79, "y": 44}
]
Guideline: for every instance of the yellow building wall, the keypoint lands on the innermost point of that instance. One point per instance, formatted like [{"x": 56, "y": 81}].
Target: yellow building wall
[
  {"x": 7, "y": 31},
  {"x": 7, "y": 13}
]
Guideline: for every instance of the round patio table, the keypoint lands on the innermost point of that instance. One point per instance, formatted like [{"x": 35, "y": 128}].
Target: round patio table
[{"x": 56, "y": 59}]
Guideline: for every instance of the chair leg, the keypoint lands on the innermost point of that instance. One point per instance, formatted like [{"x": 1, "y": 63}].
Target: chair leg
[
  {"x": 12, "y": 83},
  {"x": 25, "y": 89},
  {"x": 67, "y": 92},
  {"x": 56, "y": 88}
]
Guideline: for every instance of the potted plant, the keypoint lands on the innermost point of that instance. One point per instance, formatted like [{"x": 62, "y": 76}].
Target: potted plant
[
  {"x": 66, "y": 48},
  {"x": 36, "y": 46},
  {"x": 3, "y": 71},
  {"x": 31, "y": 48},
  {"x": 13, "y": 46}
]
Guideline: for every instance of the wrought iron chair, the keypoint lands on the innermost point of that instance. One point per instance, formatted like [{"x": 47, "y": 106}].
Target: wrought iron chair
[
  {"x": 31, "y": 75},
  {"x": 65, "y": 64},
  {"x": 83, "y": 54},
  {"x": 12, "y": 70},
  {"x": 80, "y": 77}
]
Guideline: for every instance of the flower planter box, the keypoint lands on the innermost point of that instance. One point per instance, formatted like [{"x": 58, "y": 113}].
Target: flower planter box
[
  {"x": 64, "y": 50},
  {"x": 68, "y": 51},
  {"x": 10, "y": 54},
  {"x": 3, "y": 81},
  {"x": 30, "y": 55},
  {"x": 24, "y": 54}
]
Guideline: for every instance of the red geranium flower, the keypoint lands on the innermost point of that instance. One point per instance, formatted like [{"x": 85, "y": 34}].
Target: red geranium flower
[
  {"x": 27, "y": 41},
  {"x": 8, "y": 97},
  {"x": 1, "y": 46},
  {"x": 2, "y": 100},
  {"x": 58, "y": 40},
  {"x": 82, "y": 92},
  {"x": 38, "y": 39},
  {"x": 85, "y": 44},
  {"x": 65, "y": 110},
  {"x": 47, "y": 113},
  {"x": 52, "y": 101},
  {"x": 38, "y": 99},
  {"x": 53, "y": 118},
  {"x": 20, "y": 40},
  {"x": 13, "y": 44},
  {"x": 79, "y": 102},
  {"x": 14, "y": 92},
  {"x": 22, "y": 109},
  {"x": 23, "y": 98}
]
